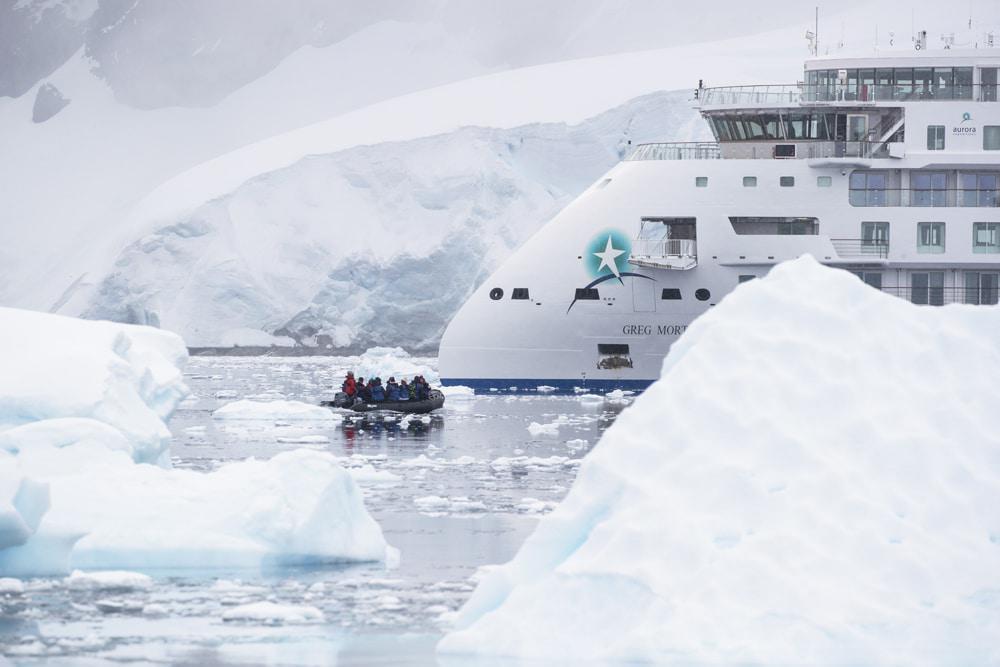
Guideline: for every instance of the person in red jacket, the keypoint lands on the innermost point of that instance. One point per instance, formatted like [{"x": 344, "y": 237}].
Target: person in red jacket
[{"x": 350, "y": 387}]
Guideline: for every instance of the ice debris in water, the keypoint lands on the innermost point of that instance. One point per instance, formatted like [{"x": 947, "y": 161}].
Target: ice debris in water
[
  {"x": 109, "y": 580},
  {"x": 813, "y": 480},
  {"x": 275, "y": 411},
  {"x": 273, "y": 613},
  {"x": 72, "y": 492}
]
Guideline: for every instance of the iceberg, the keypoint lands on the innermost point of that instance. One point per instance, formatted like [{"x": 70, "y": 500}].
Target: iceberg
[
  {"x": 813, "y": 480},
  {"x": 86, "y": 480}
]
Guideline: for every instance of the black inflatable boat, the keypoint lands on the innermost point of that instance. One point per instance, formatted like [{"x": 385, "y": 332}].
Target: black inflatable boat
[{"x": 433, "y": 402}]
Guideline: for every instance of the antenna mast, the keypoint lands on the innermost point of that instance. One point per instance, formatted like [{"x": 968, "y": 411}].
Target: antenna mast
[{"x": 816, "y": 33}]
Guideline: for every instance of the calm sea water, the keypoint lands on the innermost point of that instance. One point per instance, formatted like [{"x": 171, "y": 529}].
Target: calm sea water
[{"x": 456, "y": 493}]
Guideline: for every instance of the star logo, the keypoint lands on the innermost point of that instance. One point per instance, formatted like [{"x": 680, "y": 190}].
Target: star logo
[{"x": 608, "y": 257}]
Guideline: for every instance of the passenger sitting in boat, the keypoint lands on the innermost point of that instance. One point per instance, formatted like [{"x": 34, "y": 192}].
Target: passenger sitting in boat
[
  {"x": 404, "y": 390},
  {"x": 422, "y": 390},
  {"x": 364, "y": 393},
  {"x": 378, "y": 391},
  {"x": 391, "y": 390},
  {"x": 350, "y": 387}
]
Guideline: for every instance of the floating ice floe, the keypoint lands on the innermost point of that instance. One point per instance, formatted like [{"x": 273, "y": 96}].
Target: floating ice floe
[
  {"x": 271, "y": 612},
  {"x": 814, "y": 480},
  {"x": 276, "y": 411},
  {"x": 458, "y": 392},
  {"x": 85, "y": 477},
  {"x": 109, "y": 580},
  {"x": 544, "y": 389}
]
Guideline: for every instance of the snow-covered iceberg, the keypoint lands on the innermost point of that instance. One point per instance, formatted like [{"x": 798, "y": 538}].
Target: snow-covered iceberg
[
  {"x": 85, "y": 475},
  {"x": 814, "y": 480}
]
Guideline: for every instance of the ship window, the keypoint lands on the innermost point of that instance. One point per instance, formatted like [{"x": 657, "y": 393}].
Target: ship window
[
  {"x": 991, "y": 138},
  {"x": 930, "y": 237},
  {"x": 749, "y": 181},
  {"x": 496, "y": 293},
  {"x": 986, "y": 237},
  {"x": 870, "y": 278},
  {"x": 979, "y": 189},
  {"x": 670, "y": 294},
  {"x": 874, "y": 236},
  {"x": 824, "y": 181},
  {"x": 519, "y": 293},
  {"x": 869, "y": 188},
  {"x": 935, "y": 137},
  {"x": 701, "y": 181},
  {"x": 787, "y": 181},
  {"x": 754, "y": 226},
  {"x": 929, "y": 188},
  {"x": 963, "y": 83},
  {"x": 981, "y": 288},
  {"x": 927, "y": 288},
  {"x": 587, "y": 294},
  {"x": 746, "y": 279},
  {"x": 702, "y": 294}
]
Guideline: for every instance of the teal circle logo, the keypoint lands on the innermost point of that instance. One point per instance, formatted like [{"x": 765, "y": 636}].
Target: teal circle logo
[
  {"x": 607, "y": 254},
  {"x": 966, "y": 117}
]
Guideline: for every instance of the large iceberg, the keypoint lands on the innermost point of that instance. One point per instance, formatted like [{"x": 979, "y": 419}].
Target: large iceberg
[
  {"x": 85, "y": 474},
  {"x": 813, "y": 480}
]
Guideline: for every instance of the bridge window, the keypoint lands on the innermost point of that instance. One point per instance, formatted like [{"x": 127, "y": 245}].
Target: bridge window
[
  {"x": 986, "y": 237},
  {"x": 753, "y": 226},
  {"x": 930, "y": 237},
  {"x": 587, "y": 294},
  {"x": 935, "y": 137}
]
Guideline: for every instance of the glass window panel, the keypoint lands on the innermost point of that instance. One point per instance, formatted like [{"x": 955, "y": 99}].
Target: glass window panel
[
  {"x": 904, "y": 83},
  {"x": 920, "y": 180},
  {"x": 786, "y": 181},
  {"x": 942, "y": 82},
  {"x": 858, "y": 180},
  {"x": 991, "y": 137},
  {"x": 701, "y": 181},
  {"x": 918, "y": 288},
  {"x": 923, "y": 82},
  {"x": 963, "y": 83},
  {"x": 939, "y": 181},
  {"x": 972, "y": 287},
  {"x": 749, "y": 181},
  {"x": 988, "y": 288},
  {"x": 876, "y": 181},
  {"x": 824, "y": 181}
]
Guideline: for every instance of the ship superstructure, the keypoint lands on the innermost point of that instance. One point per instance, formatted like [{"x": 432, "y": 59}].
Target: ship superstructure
[{"x": 885, "y": 166}]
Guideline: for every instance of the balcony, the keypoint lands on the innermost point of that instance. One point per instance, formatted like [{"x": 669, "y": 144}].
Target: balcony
[
  {"x": 676, "y": 150},
  {"x": 674, "y": 254},
  {"x": 861, "y": 250},
  {"x": 785, "y": 95}
]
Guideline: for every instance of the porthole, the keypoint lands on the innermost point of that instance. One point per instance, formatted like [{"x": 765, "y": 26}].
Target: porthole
[
  {"x": 702, "y": 294},
  {"x": 496, "y": 294}
]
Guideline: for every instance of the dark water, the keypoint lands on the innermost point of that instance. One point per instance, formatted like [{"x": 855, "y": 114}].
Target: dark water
[{"x": 458, "y": 492}]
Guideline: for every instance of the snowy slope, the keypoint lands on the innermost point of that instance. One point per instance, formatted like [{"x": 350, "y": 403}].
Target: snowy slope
[
  {"x": 372, "y": 245},
  {"x": 813, "y": 480}
]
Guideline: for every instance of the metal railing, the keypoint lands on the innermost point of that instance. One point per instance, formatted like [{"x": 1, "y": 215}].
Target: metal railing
[
  {"x": 861, "y": 248},
  {"x": 794, "y": 94},
  {"x": 940, "y": 296},
  {"x": 676, "y": 150},
  {"x": 925, "y": 197},
  {"x": 804, "y": 149},
  {"x": 664, "y": 248}
]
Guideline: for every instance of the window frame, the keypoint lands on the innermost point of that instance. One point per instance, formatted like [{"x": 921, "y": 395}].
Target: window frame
[
  {"x": 935, "y": 142},
  {"x": 993, "y": 246},
  {"x": 931, "y": 248}
]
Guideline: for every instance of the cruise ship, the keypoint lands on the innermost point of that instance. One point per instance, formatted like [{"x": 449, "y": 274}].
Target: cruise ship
[{"x": 885, "y": 166}]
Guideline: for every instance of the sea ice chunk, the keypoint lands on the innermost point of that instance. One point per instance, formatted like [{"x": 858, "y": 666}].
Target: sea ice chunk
[{"x": 814, "y": 480}]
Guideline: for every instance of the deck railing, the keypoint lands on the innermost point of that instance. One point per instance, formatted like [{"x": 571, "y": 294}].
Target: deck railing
[
  {"x": 794, "y": 94},
  {"x": 861, "y": 248},
  {"x": 676, "y": 150},
  {"x": 938, "y": 197},
  {"x": 664, "y": 248}
]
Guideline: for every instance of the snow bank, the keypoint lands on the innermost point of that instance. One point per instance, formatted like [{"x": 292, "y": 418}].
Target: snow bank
[
  {"x": 813, "y": 481},
  {"x": 275, "y": 411},
  {"x": 82, "y": 412}
]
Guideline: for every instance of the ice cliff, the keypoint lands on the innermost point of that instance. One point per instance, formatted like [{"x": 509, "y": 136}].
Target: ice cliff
[
  {"x": 813, "y": 480},
  {"x": 85, "y": 474}
]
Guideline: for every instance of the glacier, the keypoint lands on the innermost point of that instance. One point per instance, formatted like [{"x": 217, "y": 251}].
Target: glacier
[
  {"x": 373, "y": 245},
  {"x": 813, "y": 480},
  {"x": 86, "y": 479}
]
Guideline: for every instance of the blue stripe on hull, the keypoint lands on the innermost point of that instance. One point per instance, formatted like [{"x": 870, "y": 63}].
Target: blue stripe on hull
[{"x": 526, "y": 386}]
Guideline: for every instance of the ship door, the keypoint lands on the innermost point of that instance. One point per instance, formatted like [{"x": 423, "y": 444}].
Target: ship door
[
  {"x": 857, "y": 134},
  {"x": 643, "y": 295}
]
